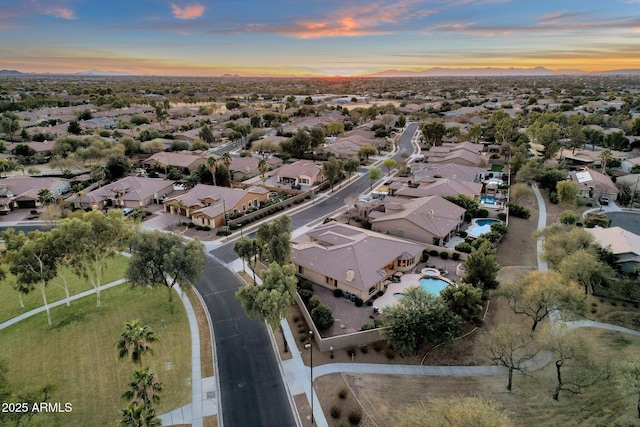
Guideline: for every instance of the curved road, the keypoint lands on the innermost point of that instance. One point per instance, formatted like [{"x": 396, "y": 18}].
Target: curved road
[{"x": 252, "y": 391}]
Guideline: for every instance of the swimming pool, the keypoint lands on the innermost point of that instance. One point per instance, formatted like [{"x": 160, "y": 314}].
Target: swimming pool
[
  {"x": 433, "y": 285},
  {"x": 480, "y": 226},
  {"x": 488, "y": 200}
]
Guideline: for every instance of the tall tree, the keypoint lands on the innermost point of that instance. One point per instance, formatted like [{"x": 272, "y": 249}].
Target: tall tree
[
  {"x": 212, "y": 166},
  {"x": 144, "y": 388},
  {"x": 206, "y": 135},
  {"x": 274, "y": 239},
  {"x": 366, "y": 151},
  {"x": 135, "y": 341},
  {"x": 560, "y": 242},
  {"x": 227, "y": 160},
  {"x": 481, "y": 267},
  {"x": 135, "y": 415},
  {"x": 510, "y": 346},
  {"x": 374, "y": 174},
  {"x": 164, "y": 258},
  {"x": 272, "y": 301},
  {"x": 248, "y": 250},
  {"x": 389, "y": 164},
  {"x": 463, "y": 299},
  {"x": 584, "y": 267},
  {"x": 351, "y": 166},
  {"x": 433, "y": 132},
  {"x": 34, "y": 265},
  {"x": 45, "y": 197},
  {"x": 540, "y": 292},
  {"x": 575, "y": 369},
  {"x": 91, "y": 240},
  {"x": 332, "y": 169},
  {"x": 419, "y": 318},
  {"x": 263, "y": 168}
]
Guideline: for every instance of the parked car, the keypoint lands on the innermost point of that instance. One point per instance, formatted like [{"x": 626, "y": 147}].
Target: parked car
[
  {"x": 604, "y": 200},
  {"x": 127, "y": 211}
]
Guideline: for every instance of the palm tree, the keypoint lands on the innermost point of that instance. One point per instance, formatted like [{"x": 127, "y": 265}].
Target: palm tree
[
  {"x": 212, "y": 165},
  {"x": 263, "y": 168},
  {"x": 144, "y": 388},
  {"x": 45, "y": 196},
  {"x": 134, "y": 341},
  {"x": 226, "y": 159},
  {"x": 135, "y": 415},
  {"x": 605, "y": 155}
]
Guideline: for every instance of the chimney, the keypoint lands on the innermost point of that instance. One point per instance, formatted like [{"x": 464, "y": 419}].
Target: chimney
[{"x": 350, "y": 275}]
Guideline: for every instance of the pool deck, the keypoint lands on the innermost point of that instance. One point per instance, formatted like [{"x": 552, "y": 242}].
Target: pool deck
[{"x": 407, "y": 280}]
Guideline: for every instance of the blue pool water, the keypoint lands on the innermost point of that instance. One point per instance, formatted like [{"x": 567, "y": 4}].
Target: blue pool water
[
  {"x": 433, "y": 285},
  {"x": 486, "y": 222},
  {"x": 480, "y": 227},
  {"x": 488, "y": 200}
]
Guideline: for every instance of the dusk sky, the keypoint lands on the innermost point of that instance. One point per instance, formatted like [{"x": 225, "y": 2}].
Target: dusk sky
[{"x": 328, "y": 37}]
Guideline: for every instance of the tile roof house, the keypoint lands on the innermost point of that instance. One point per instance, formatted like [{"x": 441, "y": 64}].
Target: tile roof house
[
  {"x": 352, "y": 259},
  {"x": 302, "y": 172},
  {"x": 22, "y": 191},
  {"x": 441, "y": 187},
  {"x": 623, "y": 243},
  {"x": 182, "y": 160},
  {"x": 427, "y": 172},
  {"x": 207, "y": 204},
  {"x": 594, "y": 184},
  {"x": 242, "y": 168},
  {"x": 431, "y": 220},
  {"x": 129, "y": 192}
]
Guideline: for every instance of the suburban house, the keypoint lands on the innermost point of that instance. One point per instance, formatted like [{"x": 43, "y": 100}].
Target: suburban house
[
  {"x": 207, "y": 205},
  {"x": 430, "y": 172},
  {"x": 441, "y": 187},
  {"x": 352, "y": 259},
  {"x": 302, "y": 172},
  {"x": 628, "y": 164},
  {"x": 185, "y": 161},
  {"x": 622, "y": 243},
  {"x": 130, "y": 192},
  {"x": 431, "y": 220},
  {"x": 22, "y": 191},
  {"x": 242, "y": 168},
  {"x": 594, "y": 184}
]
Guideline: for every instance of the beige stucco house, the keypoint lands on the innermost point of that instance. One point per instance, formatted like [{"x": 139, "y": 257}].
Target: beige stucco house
[
  {"x": 355, "y": 260},
  {"x": 623, "y": 243},
  {"x": 432, "y": 220},
  {"x": 130, "y": 192},
  {"x": 207, "y": 204}
]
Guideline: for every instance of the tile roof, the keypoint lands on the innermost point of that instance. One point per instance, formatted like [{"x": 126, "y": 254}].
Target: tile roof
[{"x": 334, "y": 249}]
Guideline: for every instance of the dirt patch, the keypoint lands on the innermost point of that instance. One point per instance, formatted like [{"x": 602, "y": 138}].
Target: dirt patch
[
  {"x": 338, "y": 401},
  {"x": 206, "y": 352},
  {"x": 518, "y": 247},
  {"x": 304, "y": 409},
  {"x": 210, "y": 421}
]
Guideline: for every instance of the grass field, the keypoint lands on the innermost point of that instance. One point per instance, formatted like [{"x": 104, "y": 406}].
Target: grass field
[
  {"x": 9, "y": 302},
  {"x": 77, "y": 354}
]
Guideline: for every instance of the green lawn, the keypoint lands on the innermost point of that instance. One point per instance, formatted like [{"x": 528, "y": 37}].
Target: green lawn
[
  {"x": 10, "y": 304},
  {"x": 77, "y": 354}
]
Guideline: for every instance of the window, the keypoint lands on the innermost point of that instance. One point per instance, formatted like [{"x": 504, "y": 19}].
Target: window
[
  {"x": 300, "y": 269},
  {"x": 372, "y": 290},
  {"x": 304, "y": 181},
  {"x": 400, "y": 232},
  {"x": 255, "y": 202},
  {"x": 244, "y": 208},
  {"x": 330, "y": 281}
]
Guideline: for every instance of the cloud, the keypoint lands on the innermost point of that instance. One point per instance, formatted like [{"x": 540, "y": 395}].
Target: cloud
[
  {"x": 190, "y": 11},
  {"x": 60, "y": 12}
]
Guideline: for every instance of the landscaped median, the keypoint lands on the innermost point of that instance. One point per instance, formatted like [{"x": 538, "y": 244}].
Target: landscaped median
[{"x": 78, "y": 356}]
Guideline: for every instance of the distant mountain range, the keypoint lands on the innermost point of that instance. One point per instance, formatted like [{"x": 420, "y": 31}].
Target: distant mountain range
[
  {"x": 497, "y": 72},
  {"x": 430, "y": 72}
]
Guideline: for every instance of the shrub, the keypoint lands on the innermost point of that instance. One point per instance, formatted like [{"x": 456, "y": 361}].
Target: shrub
[
  {"x": 433, "y": 252},
  {"x": 464, "y": 247},
  {"x": 335, "y": 412},
  {"x": 518, "y": 211},
  {"x": 33, "y": 212},
  {"x": 342, "y": 394},
  {"x": 358, "y": 301},
  {"x": 569, "y": 217},
  {"x": 377, "y": 347},
  {"x": 305, "y": 284},
  {"x": 302, "y": 337},
  {"x": 313, "y": 302},
  {"x": 463, "y": 234},
  {"x": 337, "y": 292},
  {"x": 206, "y": 228},
  {"x": 390, "y": 354},
  {"x": 364, "y": 349},
  {"x": 553, "y": 197},
  {"x": 444, "y": 255},
  {"x": 455, "y": 256},
  {"x": 482, "y": 213},
  {"x": 355, "y": 416},
  {"x": 502, "y": 216},
  {"x": 351, "y": 351},
  {"x": 322, "y": 316},
  {"x": 367, "y": 326},
  {"x": 477, "y": 321},
  {"x": 305, "y": 295}
]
